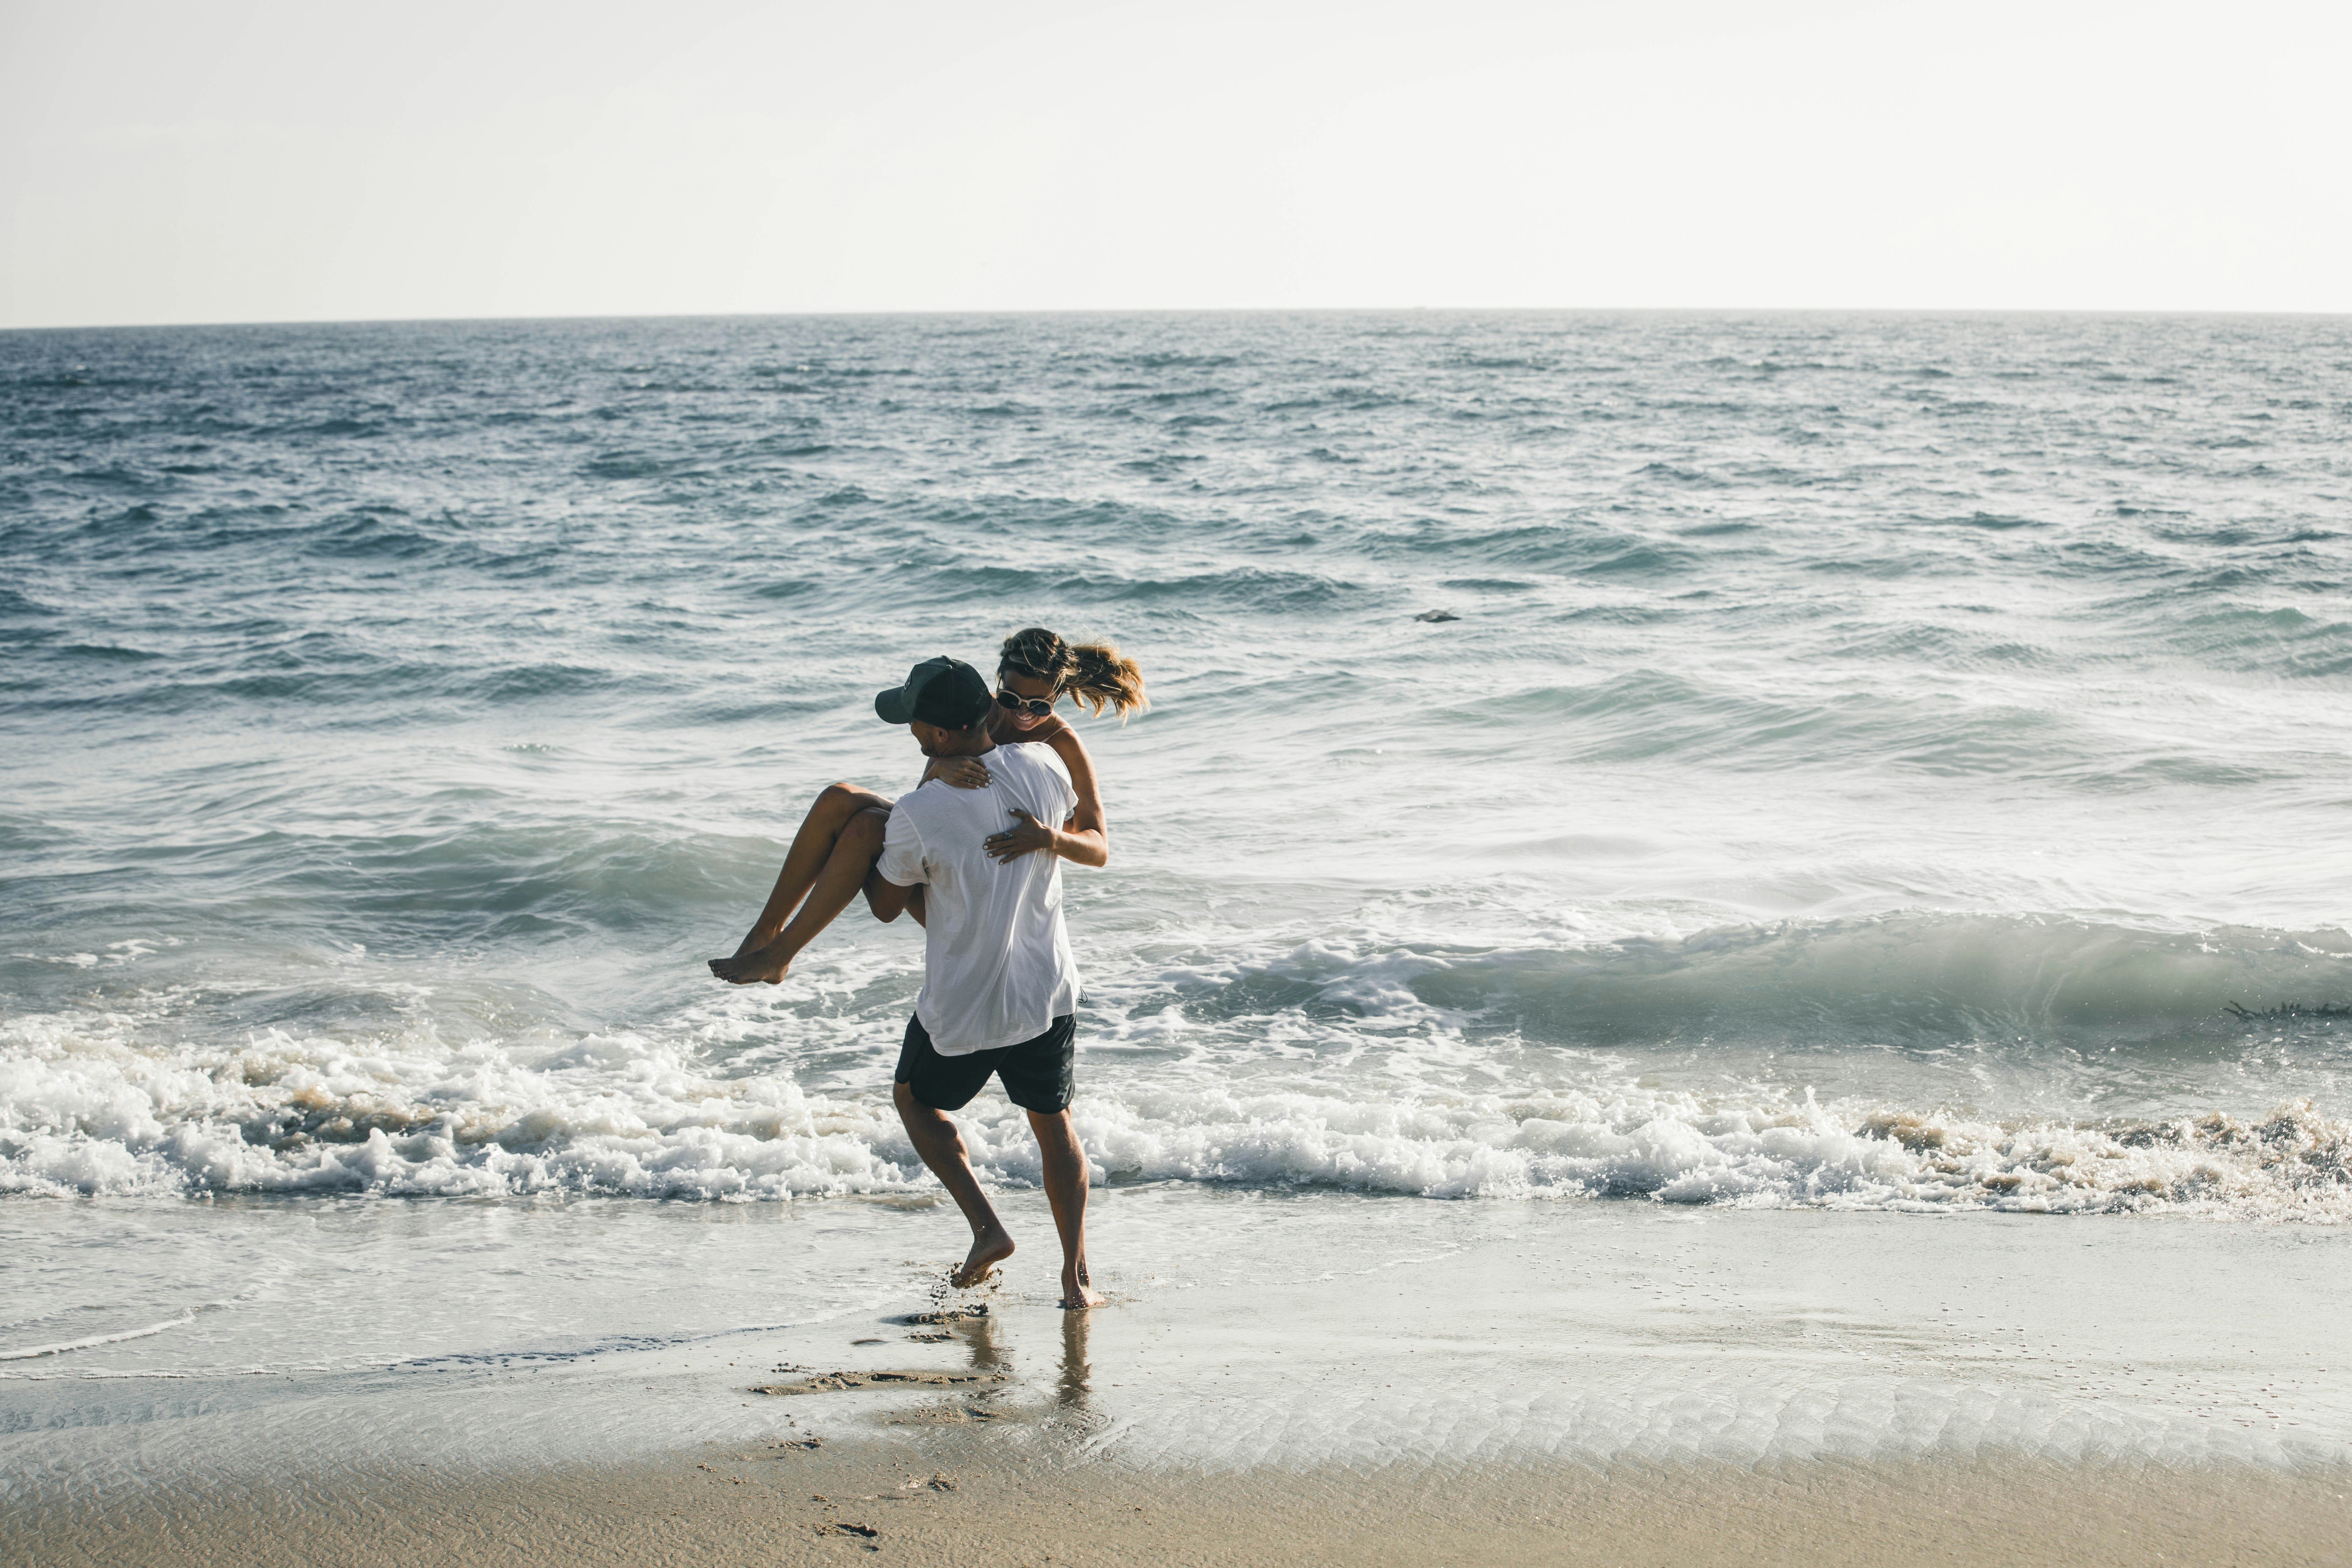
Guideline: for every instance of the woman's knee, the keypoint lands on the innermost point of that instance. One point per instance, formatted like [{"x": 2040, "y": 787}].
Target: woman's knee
[
  {"x": 841, "y": 800},
  {"x": 837, "y": 804}
]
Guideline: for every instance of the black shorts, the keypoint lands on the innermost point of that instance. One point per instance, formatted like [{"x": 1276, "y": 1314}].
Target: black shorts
[{"x": 1039, "y": 1075}]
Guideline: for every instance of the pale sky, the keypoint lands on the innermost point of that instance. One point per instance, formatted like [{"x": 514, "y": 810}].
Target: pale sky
[{"x": 303, "y": 159}]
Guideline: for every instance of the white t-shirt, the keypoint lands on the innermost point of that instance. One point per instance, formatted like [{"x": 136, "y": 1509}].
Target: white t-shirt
[{"x": 997, "y": 968}]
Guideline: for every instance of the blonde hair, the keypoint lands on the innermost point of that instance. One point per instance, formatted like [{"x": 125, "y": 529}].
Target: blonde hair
[{"x": 1096, "y": 673}]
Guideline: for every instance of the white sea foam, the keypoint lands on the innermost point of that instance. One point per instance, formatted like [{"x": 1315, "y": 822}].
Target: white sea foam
[
  {"x": 66, "y": 1347},
  {"x": 85, "y": 1110}
]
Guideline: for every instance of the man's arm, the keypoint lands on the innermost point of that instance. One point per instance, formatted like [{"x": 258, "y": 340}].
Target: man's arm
[
  {"x": 895, "y": 884},
  {"x": 889, "y": 900}
]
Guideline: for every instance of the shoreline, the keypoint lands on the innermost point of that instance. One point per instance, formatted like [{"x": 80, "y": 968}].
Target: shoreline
[{"x": 1297, "y": 1380}]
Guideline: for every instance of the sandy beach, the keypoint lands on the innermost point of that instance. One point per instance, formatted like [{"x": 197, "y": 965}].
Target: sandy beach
[
  {"x": 994, "y": 1506},
  {"x": 1321, "y": 1378}
]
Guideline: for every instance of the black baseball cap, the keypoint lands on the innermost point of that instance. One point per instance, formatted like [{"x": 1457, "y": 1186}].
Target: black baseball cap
[{"x": 943, "y": 691}]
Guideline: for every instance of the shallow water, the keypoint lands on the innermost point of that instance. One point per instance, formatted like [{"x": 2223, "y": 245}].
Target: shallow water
[
  {"x": 1871, "y": 754},
  {"x": 1245, "y": 1330}
]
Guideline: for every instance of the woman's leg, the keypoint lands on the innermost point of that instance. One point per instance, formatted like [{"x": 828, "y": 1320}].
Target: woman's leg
[
  {"x": 812, "y": 847},
  {"x": 815, "y": 849},
  {"x": 842, "y": 877}
]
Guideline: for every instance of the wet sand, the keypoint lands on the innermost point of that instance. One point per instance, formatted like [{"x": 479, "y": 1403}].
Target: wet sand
[
  {"x": 984, "y": 1503},
  {"x": 1292, "y": 1380}
]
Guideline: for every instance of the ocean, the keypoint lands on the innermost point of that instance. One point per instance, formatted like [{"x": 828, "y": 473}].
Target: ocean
[{"x": 1871, "y": 766}]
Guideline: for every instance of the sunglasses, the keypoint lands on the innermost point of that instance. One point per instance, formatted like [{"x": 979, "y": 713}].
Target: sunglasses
[{"x": 1036, "y": 707}]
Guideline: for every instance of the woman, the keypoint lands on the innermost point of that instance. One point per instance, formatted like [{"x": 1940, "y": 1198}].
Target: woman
[{"x": 834, "y": 851}]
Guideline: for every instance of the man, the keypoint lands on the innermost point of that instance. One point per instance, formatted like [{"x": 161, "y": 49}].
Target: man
[{"x": 1000, "y": 988}]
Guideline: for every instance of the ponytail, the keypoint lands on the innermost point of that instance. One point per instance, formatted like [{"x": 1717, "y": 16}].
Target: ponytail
[{"x": 1104, "y": 680}]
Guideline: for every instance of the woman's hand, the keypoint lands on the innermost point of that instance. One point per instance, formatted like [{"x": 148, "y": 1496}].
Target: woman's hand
[
  {"x": 958, "y": 773},
  {"x": 1028, "y": 835}
]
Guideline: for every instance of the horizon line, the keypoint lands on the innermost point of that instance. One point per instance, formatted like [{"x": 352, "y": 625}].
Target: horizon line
[{"x": 1988, "y": 311}]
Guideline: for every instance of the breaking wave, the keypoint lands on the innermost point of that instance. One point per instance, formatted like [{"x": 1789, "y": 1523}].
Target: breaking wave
[{"x": 85, "y": 1110}]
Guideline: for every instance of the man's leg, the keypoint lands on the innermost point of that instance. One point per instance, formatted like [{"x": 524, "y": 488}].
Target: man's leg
[
  {"x": 855, "y": 849},
  {"x": 936, "y": 1139},
  {"x": 1065, "y": 1189}
]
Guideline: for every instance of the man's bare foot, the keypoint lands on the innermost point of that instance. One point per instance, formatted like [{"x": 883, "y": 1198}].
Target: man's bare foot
[
  {"x": 1078, "y": 1291},
  {"x": 988, "y": 1248},
  {"x": 763, "y": 966}
]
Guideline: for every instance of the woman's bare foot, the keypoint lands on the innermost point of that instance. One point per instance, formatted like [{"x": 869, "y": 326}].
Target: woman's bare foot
[
  {"x": 761, "y": 966},
  {"x": 1077, "y": 1292},
  {"x": 988, "y": 1248}
]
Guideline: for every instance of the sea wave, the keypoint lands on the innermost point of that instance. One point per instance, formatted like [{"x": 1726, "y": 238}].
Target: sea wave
[
  {"x": 1902, "y": 979},
  {"x": 92, "y": 1104}
]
